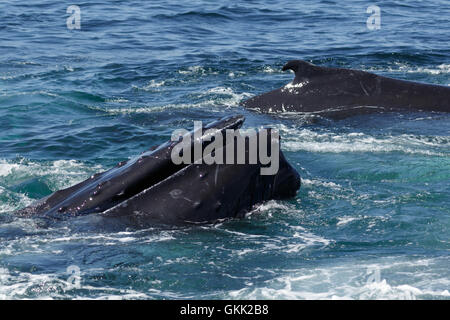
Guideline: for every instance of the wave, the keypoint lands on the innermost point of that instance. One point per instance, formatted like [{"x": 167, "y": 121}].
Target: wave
[
  {"x": 56, "y": 175},
  {"x": 214, "y": 97},
  {"x": 364, "y": 280},
  {"x": 402, "y": 67},
  {"x": 297, "y": 139},
  {"x": 197, "y": 70}
]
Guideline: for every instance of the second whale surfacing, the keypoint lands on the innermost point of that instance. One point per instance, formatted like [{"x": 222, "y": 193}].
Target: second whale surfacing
[
  {"x": 338, "y": 93},
  {"x": 150, "y": 189}
]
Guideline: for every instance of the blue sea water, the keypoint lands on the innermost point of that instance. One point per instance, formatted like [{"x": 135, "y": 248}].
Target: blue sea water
[{"x": 371, "y": 220}]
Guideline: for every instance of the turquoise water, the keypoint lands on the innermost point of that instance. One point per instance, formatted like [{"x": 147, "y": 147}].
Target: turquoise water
[{"x": 371, "y": 220}]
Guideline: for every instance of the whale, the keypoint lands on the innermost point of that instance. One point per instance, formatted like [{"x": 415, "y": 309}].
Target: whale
[
  {"x": 151, "y": 189},
  {"x": 339, "y": 92}
]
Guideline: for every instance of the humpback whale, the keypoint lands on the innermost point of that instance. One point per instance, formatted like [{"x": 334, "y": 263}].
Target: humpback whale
[
  {"x": 151, "y": 189},
  {"x": 337, "y": 92}
]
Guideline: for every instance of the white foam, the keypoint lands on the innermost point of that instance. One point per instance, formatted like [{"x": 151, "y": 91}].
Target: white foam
[
  {"x": 296, "y": 139},
  {"x": 31, "y": 93},
  {"x": 292, "y": 88},
  {"x": 345, "y": 220},
  {"x": 440, "y": 69},
  {"x": 350, "y": 281},
  {"x": 197, "y": 70},
  {"x": 7, "y": 168},
  {"x": 60, "y": 174},
  {"x": 269, "y": 69},
  {"x": 271, "y": 205},
  {"x": 18, "y": 286},
  {"x": 226, "y": 97},
  {"x": 400, "y": 67},
  {"x": 192, "y": 69},
  {"x": 152, "y": 85},
  {"x": 117, "y": 100},
  {"x": 32, "y": 63},
  {"x": 244, "y": 252},
  {"x": 9, "y": 77},
  {"x": 320, "y": 183},
  {"x": 308, "y": 238}
]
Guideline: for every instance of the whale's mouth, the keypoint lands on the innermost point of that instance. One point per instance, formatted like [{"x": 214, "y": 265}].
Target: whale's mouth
[
  {"x": 195, "y": 188},
  {"x": 105, "y": 190}
]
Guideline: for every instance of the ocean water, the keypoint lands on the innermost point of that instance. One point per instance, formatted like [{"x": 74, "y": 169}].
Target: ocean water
[{"x": 371, "y": 220}]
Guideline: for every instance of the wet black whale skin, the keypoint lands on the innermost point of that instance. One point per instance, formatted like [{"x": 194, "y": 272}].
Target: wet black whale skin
[
  {"x": 152, "y": 189},
  {"x": 337, "y": 92}
]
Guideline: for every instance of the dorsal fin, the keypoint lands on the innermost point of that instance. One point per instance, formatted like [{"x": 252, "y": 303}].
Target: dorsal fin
[{"x": 303, "y": 69}]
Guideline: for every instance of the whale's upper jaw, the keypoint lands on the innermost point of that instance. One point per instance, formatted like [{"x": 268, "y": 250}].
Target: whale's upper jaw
[{"x": 106, "y": 189}]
